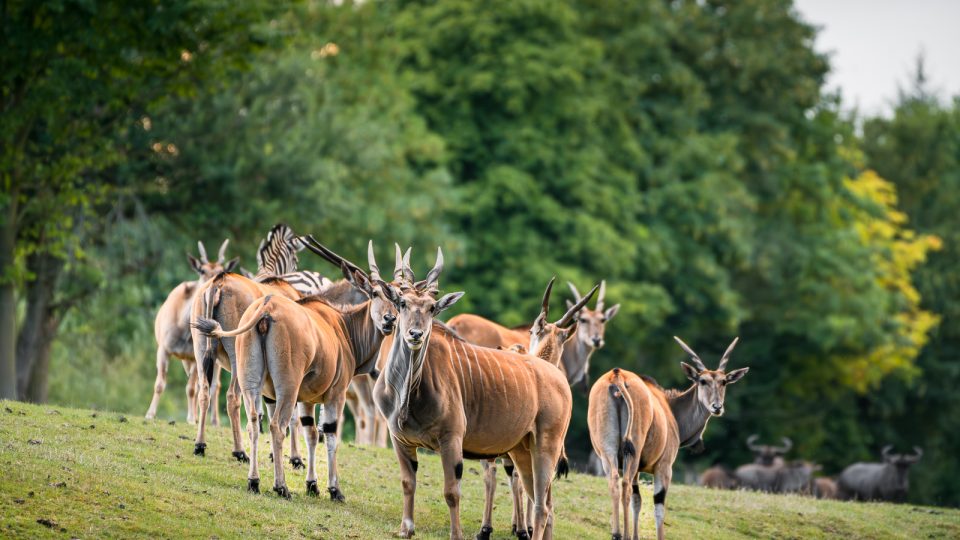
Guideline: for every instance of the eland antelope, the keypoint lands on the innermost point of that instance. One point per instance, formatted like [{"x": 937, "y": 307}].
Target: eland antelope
[
  {"x": 635, "y": 423},
  {"x": 303, "y": 353},
  {"x": 224, "y": 298},
  {"x": 440, "y": 392},
  {"x": 172, "y": 329},
  {"x": 480, "y": 331}
]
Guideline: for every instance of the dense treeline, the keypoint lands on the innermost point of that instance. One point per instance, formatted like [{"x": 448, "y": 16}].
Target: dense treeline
[{"x": 684, "y": 151}]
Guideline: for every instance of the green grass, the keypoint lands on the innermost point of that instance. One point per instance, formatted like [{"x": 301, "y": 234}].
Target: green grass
[{"x": 97, "y": 475}]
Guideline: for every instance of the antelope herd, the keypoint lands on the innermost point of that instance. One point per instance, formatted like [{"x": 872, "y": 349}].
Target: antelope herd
[{"x": 466, "y": 389}]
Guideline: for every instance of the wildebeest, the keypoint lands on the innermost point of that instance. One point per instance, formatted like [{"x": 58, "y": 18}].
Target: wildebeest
[
  {"x": 765, "y": 454},
  {"x": 782, "y": 477},
  {"x": 887, "y": 481}
]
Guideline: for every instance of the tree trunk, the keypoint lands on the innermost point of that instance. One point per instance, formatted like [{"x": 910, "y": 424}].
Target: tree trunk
[
  {"x": 36, "y": 390},
  {"x": 8, "y": 303},
  {"x": 39, "y": 325}
]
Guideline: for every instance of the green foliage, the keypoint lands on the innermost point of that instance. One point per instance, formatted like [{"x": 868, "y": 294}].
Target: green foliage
[
  {"x": 919, "y": 151},
  {"x": 683, "y": 151}
]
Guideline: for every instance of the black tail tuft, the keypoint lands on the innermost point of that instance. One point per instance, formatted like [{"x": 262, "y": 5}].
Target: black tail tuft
[
  {"x": 628, "y": 448},
  {"x": 204, "y": 326},
  {"x": 209, "y": 362},
  {"x": 563, "y": 467}
]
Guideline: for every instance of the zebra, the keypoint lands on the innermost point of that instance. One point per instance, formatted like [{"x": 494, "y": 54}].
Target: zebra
[{"x": 277, "y": 259}]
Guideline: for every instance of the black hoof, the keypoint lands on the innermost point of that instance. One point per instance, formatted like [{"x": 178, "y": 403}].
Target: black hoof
[
  {"x": 282, "y": 491},
  {"x": 312, "y": 488},
  {"x": 253, "y": 485},
  {"x": 296, "y": 462},
  {"x": 241, "y": 456},
  {"x": 200, "y": 449},
  {"x": 522, "y": 535},
  {"x": 271, "y": 457},
  {"x": 336, "y": 495},
  {"x": 530, "y": 531},
  {"x": 485, "y": 533},
  {"x": 513, "y": 532},
  {"x": 616, "y": 537}
]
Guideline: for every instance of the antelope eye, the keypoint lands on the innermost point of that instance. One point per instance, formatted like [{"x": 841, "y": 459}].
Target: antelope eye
[
  {"x": 403, "y": 304},
  {"x": 703, "y": 382},
  {"x": 603, "y": 320}
]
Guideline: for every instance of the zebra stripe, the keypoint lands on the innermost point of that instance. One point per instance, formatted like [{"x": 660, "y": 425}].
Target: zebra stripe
[
  {"x": 277, "y": 254},
  {"x": 306, "y": 282}
]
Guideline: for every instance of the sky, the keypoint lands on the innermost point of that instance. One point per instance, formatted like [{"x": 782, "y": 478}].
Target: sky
[{"x": 873, "y": 46}]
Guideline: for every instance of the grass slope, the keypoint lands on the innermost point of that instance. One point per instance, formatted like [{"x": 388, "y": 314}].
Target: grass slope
[{"x": 69, "y": 473}]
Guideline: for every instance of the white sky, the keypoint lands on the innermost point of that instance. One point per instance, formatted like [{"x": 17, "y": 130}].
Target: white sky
[{"x": 873, "y": 45}]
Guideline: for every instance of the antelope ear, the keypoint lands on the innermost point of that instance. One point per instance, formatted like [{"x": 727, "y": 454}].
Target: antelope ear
[
  {"x": 446, "y": 301},
  {"x": 231, "y": 264},
  {"x": 690, "y": 371},
  {"x": 357, "y": 279},
  {"x": 611, "y": 311},
  {"x": 571, "y": 333},
  {"x": 388, "y": 291},
  {"x": 195, "y": 264},
  {"x": 736, "y": 375}
]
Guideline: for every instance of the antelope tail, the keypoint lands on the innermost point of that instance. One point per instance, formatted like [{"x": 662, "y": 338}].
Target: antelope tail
[
  {"x": 563, "y": 465},
  {"x": 211, "y": 298},
  {"x": 619, "y": 390},
  {"x": 212, "y": 328}
]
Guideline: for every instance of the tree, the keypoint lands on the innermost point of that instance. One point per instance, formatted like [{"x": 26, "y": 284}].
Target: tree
[{"x": 73, "y": 74}]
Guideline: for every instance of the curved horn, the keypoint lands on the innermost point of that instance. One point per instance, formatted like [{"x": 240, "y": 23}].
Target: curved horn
[
  {"x": 313, "y": 245},
  {"x": 917, "y": 454},
  {"x": 372, "y": 261},
  {"x": 886, "y": 450},
  {"x": 750, "y": 443},
  {"x": 787, "y": 445},
  {"x": 402, "y": 273},
  {"x": 693, "y": 356},
  {"x": 576, "y": 293},
  {"x": 574, "y": 309},
  {"x": 726, "y": 355},
  {"x": 222, "y": 253},
  {"x": 434, "y": 273},
  {"x": 203, "y": 252},
  {"x": 545, "y": 304},
  {"x": 601, "y": 294}
]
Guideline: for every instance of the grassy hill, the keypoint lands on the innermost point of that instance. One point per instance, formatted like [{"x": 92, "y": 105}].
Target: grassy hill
[{"x": 69, "y": 473}]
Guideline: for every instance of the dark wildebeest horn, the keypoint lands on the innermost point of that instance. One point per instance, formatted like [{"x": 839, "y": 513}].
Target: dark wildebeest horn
[
  {"x": 726, "y": 356},
  {"x": 917, "y": 454},
  {"x": 222, "y": 253},
  {"x": 886, "y": 450},
  {"x": 693, "y": 356},
  {"x": 574, "y": 309},
  {"x": 787, "y": 445},
  {"x": 203, "y": 252},
  {"x": 372, "y": 261},
  {"x": 750, "y": 443}
]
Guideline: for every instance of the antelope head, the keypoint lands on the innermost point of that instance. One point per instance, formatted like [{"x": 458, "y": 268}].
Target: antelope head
[
  {"x": 382, "y": 312},
  {"x": 711, "y": 384},
  {"x": 547, "y": 339},
  {"x": 591, "y": 323},
  {"x": 766, "y": 454},
  {"x": 206, "y": 269},
  {"x": 416, "y": 302}
]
